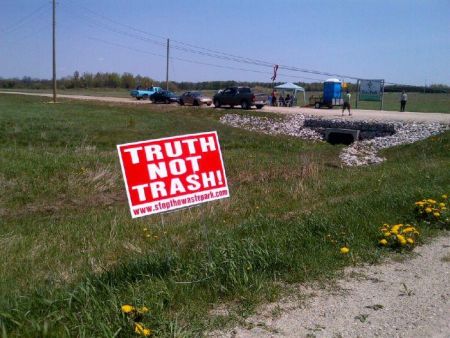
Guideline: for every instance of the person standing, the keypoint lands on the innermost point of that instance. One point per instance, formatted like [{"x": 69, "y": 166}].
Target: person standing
[
  {"x": 403, "y": 99},
  {"x": 347, "y": 97}
]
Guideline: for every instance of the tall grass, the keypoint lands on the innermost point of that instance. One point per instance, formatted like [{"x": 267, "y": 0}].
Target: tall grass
[{"x": 73, "y": 255}]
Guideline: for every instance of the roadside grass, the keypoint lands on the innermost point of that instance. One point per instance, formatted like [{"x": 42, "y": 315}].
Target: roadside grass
[
  {"x": 73, "y": 255},
  {"x": 113, "y": 92},
  {"x": 417, "y": 102}
]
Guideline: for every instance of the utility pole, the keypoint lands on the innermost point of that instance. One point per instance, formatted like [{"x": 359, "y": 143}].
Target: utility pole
[
  {"x": 167, "y": 66},
  {"x": 54, "y": 51}
]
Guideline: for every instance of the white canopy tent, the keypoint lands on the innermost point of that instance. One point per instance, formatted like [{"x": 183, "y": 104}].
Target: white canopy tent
[{"x": 294, "y": 88}]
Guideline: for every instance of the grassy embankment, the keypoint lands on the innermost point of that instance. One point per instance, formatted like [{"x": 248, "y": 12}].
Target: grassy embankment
[
  {"x": 71, "y": 254},
  {"x": 417, "y": 102}
]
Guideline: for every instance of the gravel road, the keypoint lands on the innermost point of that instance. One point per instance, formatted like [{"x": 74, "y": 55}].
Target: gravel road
[
  {"x": 410, "y": 298},
  {"x": 358, "y": 114}
]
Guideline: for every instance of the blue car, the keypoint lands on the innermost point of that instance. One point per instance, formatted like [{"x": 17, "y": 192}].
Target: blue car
[{"x": 144, "y": 94}]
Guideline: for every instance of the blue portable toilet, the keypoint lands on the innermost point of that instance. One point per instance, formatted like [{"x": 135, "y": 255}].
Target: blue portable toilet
[{"x": 332, "y": 89}]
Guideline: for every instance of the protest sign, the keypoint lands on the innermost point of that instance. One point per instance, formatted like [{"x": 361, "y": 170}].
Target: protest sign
[{"x": 170, "y": 173}]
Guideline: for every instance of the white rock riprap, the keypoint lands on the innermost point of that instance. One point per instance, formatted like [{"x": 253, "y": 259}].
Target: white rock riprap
[
  {"x": 292, "y": 126},
  {"x": 364, "y": 152}
]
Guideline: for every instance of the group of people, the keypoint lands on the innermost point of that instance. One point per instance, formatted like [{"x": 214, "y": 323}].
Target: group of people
[
  {"x": 281, "y": 101},
  {"x": 347, "y": 97}
]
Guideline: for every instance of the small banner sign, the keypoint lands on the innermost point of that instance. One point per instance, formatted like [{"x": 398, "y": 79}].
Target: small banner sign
[
  {"x": 370, "y": 90},
  {"x": 165, "y": 174}
]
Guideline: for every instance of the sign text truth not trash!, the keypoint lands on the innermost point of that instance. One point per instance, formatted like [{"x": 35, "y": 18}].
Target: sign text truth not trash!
[{"x": 171, "y": 173}]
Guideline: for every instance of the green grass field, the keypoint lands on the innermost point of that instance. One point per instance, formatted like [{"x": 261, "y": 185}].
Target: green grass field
[
  {"x": 72, "y": 255},
  {"x": 417, "y": 102}
]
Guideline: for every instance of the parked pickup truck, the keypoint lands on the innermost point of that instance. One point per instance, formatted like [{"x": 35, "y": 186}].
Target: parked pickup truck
[
  {"x": 144, "y": 93},
  {"x": 239, "y": 96}
]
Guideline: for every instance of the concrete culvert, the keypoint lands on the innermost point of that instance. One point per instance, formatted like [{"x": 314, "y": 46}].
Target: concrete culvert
[{"x": 339, "y": 138}]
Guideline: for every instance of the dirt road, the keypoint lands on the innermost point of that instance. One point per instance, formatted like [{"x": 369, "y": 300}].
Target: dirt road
[
  {"x": 410, "y": 298},
  {"x": 358, "y": 114}
]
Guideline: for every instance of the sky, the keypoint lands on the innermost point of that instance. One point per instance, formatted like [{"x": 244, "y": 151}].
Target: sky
[{"x": 400, "y": 41}]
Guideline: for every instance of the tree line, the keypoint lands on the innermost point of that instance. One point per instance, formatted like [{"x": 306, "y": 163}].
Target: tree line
[{"x": 130, "y": 81}]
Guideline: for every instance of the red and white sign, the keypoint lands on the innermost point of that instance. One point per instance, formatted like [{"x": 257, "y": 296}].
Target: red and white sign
[{"x": 171, "y": 173}]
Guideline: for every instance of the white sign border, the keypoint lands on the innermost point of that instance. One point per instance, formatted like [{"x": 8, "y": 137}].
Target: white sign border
[{"x": 168, "y": 138}]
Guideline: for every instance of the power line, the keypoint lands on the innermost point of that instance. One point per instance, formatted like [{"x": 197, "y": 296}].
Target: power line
[
  {"x": 24, "y": 19},
  {"x": 192, "y": 61},
  {"x": 195, "y": 49},
  {"x": 207, "y": 52},
  {"x": 24, "y": 35}
]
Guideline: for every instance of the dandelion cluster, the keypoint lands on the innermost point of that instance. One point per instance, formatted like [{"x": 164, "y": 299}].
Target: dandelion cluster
[
  {"x": 136, "y": 315},
  {"x": 148, "y": 235},
  {"x": 433, "y": 211},
  {"x": 398, "y": 236}
]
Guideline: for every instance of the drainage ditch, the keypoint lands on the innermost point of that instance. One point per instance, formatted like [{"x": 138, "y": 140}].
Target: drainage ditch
[{"x": 347, "y": 132}]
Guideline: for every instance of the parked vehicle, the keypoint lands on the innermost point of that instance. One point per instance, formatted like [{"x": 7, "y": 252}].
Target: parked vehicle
[
  {"x": 239, "y": 96},
  {"x": 144, "y": 93},
  {"x": 195, "y": 99},
  {"x": 164, "y": 96}
]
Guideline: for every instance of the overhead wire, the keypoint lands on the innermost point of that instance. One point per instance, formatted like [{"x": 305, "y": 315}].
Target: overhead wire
[
  {"x": 208, "y": 52},
  {"x": 191, "y": 48},
  {"x": 191, "y": 61},
  {"x": 163, "y": 44},
  {"x": 24, "y": 19}
]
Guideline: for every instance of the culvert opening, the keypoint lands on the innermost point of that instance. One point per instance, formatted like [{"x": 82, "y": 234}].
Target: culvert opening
[{"x": 340, "y": 138}]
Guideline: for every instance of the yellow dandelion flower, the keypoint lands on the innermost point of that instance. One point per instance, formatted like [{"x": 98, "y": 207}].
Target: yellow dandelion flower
[
  {"x": 403, "y": 242},
  {"x": 344, "y": 250},
  {"x": 416, "y": 233},
  {"x": 127, "y": 308},
  {"x": 408, "y": 229},
  {"x": 394, "y": 231},
  {"x": 387, "y": 234},
  {"x": 443, "y": 208},
  {"x": 428, "y": 210},
  {"x": 444, "y": 197},
  {"x": 143, "y": 309},
  {"x": 138, "y": 327},
  {"x": 442, "y": 205},
  {"x": 142, "y": 330},
  {"x": 383, "y": 242},
  {"x": 410, "y": 241},
  {"x": 400, "y": 238},
  {"x": 436, "y": 214}
]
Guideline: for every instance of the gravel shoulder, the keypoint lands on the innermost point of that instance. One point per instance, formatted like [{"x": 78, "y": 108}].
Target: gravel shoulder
[
  {"x": 408, "y": 298},
  {"x": 358, "y": 114}
]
